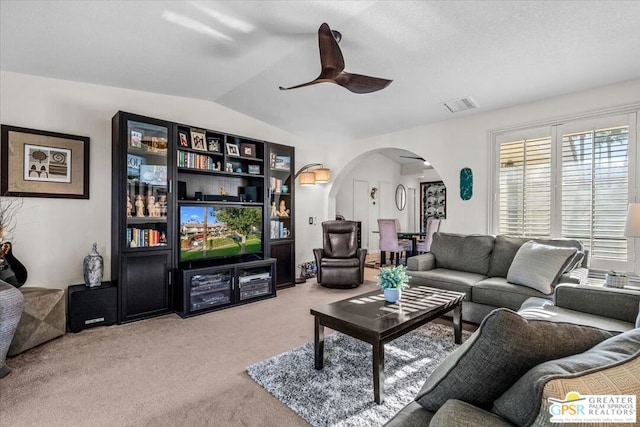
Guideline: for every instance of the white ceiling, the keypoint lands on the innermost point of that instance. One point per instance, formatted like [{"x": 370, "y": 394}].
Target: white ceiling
[{"x": 238, "y": 53}]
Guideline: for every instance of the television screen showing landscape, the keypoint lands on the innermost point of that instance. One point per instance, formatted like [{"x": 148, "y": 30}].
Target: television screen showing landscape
[{"x": 219, "y": 231}]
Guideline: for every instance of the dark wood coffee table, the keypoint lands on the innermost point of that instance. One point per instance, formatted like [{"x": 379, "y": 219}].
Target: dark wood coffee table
[{"x": 368, "y": 317}]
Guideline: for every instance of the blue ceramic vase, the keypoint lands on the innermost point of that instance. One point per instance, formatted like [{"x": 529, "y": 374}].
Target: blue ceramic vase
[{"x": 392, "y": 295}]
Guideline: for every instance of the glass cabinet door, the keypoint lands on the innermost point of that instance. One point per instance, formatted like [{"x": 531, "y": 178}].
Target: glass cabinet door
[
  {"x": 280, "y": 192},
  {"x": 147, "y": 197}
]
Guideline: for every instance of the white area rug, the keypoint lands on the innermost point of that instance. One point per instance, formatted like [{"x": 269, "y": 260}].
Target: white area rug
[{"x": 341, "y": 394}]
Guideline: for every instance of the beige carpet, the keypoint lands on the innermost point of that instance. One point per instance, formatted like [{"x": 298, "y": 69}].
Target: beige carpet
[{"x": 165, "y": 371}]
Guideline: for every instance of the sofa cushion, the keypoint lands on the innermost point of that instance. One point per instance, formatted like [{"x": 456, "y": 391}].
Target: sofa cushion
[
  {"x": 620, "y": 379},
  {"x": 496, "y": 291},
  {"x": 449, "y": 280},
  {"x": 504, "y": 347},
  {"x": 462, "y": 252},
  {"x": 457, "y": 413},
  {"x": 539, "y": 266},
  {"x": 521, "y": 403},
  {"x": 504, "y": 250},
  {"x": 622, "y": 304},
  {"x": 506, "y": 247},
  {"x": 553, "y": 313},
  {"x": 412, "y": 415}
]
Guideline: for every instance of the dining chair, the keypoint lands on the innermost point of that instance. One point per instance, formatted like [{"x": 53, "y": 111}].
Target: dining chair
[
  {"x": 424, "y": 246},
  {"x": 389, "y": 239}
]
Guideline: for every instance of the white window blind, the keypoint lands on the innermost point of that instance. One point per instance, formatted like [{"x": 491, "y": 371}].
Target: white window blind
[
  {"x": 582, "y": 166},
  {"x": 525, "y": 187},
  {"x": 595, "y": 189}
]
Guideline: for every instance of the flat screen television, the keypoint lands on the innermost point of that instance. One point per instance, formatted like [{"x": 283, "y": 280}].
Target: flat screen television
[{"x": 214, "y": 231}]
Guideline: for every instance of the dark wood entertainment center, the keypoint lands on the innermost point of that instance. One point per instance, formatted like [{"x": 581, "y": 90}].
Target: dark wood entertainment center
[{"x": 240, "y": 249}]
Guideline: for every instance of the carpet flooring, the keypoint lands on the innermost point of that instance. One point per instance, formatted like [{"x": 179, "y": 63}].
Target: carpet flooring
[{"x": 341, "y": 394}]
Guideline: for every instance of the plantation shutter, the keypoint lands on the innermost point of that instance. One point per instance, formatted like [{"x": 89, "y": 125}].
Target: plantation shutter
[
  {"x": 595, "y": 188},
  {"x": 524, "y": 193}
]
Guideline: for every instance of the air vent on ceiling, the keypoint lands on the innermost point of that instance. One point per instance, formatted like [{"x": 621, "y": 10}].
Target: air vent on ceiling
[{"x": 462, "y": 104}]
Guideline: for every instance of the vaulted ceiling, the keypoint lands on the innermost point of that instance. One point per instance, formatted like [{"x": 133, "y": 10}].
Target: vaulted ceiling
[{"x": 237, "y": 54}]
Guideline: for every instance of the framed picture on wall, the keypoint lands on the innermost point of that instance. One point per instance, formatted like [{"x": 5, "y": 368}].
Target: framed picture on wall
[
  {"x": 433, "y": 201},
  {"x": 38, "y": 163}
]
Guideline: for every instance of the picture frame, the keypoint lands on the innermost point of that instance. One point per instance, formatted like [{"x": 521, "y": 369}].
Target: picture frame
[
  {"x": 213, "y": 144},
  {"x": 433, "y": 201},
  {"x": 135, "y": 138},
  {"x": 233, "y": 149},
  {"x": 248, "y": 150},
  {"x": 184, "y": 140},
  {"x": 283, "y": 162},
  {"x": 254, "y": 169},
  {"x": 198, "y": 140},
  {"x": 39, "y": 163}
]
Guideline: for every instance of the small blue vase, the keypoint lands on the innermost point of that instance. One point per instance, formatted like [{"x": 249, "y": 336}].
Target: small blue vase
[{"x": 392, "y": 295}]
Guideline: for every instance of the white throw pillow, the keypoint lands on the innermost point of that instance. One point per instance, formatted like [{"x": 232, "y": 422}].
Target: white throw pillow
[{"x": 539, "y": 266}]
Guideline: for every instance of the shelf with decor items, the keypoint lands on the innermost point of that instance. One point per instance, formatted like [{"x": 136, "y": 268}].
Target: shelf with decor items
[
  {"x": 188, "y": 198},
  {"x": 222, "y": 168},
  {"x": 281, "y": 197},
  {"x": 142, "y": 217}
]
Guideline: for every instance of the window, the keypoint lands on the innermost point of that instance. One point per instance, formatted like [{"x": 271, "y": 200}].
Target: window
[{"x": 569, "y": 180}]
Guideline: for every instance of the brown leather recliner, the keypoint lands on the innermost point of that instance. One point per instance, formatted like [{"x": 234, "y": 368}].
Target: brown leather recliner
[{"x": 340, "y": 262}]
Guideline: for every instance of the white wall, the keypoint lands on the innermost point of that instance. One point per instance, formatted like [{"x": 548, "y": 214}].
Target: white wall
[
  {"x": 52, "y": 236},
  {"x": 385, "y": 175},
  {"x": 464, "y": 142}
]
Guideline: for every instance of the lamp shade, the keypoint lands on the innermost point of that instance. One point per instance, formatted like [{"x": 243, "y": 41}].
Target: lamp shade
[
  {"x": 307, "y": 178},
  {"x": 632, "y": 229},
  {"x": 322, "y": 174}
]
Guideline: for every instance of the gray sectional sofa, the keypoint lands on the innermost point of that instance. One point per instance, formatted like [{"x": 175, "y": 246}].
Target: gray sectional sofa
[
  {"x": 511, "y": 369},
  {"x": 480, "y": 266},
  {"x": 575, "y": 338}
]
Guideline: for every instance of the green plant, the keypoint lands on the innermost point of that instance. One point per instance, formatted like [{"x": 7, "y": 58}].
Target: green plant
[{"x": 393, "y": 277}]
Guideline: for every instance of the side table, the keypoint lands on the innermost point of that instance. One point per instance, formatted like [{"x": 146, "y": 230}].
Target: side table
[{"x": 88, "y": 307}]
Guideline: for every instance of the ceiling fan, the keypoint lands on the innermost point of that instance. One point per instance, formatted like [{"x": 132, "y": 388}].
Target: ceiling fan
[
  {"x": 332, "y": 64},
  {"x": 422, "y": 159}
]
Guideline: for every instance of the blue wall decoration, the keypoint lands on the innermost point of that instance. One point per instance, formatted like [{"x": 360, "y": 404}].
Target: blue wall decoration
[{"x": 466, "y": 183}]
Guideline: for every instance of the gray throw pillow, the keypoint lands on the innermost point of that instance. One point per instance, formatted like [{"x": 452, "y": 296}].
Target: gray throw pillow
[
  {"x": 521, "y": 403},
  {"x": 539, "y": 266},
  {"x": 504, "y": 251},
  {"x": 504, "y": 347}
]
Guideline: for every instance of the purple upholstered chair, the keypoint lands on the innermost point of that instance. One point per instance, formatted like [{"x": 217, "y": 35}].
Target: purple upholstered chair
[
  {"x": 389, "y": 239},
  {"x": 424, "y": 246}
]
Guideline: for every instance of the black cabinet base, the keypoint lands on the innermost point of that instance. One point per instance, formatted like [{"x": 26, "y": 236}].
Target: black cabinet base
[
  {"x": 89, "y": 307},
  {"x": 205, "y": 289}
]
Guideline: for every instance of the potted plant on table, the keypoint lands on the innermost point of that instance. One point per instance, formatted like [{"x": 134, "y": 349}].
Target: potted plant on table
[{"x": 392, "y": 280}]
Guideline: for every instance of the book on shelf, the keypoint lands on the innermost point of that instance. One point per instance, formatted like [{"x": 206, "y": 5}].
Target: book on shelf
[
  {"x": 133, "y": 165},
  {"x": 143, "y": 237}
]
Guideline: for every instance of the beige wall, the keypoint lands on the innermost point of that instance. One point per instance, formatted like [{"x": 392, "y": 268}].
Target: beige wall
[{"x": 53, "y": 235}]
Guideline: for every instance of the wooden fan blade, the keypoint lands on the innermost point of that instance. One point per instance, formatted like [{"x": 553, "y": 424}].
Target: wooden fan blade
[
  {"x": 313, "y": 82},
  {"x": 358, "y": 83},
  {"x": 330, "y": 55}
]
